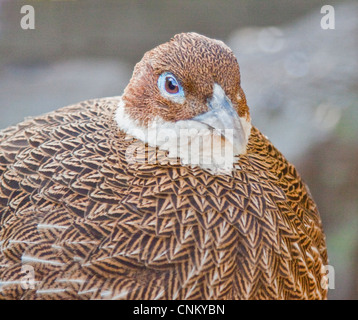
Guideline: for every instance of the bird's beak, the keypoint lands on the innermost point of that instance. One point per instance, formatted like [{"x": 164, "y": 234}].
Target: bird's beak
[{"x": 223, "y": 118}]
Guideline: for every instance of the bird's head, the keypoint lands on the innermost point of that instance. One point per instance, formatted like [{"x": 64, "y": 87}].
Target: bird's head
[{"x": 187, "y": 93}]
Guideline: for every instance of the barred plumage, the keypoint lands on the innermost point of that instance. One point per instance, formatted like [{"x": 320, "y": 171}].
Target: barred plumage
[{"x": 94, "y": 225}]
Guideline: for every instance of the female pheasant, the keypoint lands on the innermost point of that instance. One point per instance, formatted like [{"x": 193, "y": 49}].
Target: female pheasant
[{"x": 166, "y": 192}]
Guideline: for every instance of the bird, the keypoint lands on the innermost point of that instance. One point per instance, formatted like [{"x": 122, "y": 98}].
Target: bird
[{"x": 167, "y": 192}]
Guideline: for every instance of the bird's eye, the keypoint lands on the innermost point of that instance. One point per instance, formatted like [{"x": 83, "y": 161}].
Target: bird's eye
[{"x": 169, "y": 86}]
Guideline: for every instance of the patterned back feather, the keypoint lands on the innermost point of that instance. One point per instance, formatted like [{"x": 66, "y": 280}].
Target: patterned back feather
[{"x": 94, "y": 225}]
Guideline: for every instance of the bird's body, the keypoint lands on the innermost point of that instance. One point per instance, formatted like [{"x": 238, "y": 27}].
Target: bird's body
[{"x": 96, "y": 213}]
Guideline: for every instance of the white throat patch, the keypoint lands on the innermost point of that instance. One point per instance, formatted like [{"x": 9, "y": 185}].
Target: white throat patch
[{"x": 193, "y": 142}]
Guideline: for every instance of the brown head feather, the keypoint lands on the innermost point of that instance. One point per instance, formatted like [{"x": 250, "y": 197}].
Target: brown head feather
[{"x": 198, "y": 62}]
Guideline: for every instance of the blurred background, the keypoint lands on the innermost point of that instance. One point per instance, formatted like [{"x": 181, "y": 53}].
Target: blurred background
[{"x": 301, "y": 81}]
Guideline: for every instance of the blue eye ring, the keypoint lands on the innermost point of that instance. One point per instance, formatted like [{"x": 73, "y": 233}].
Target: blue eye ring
[{"x": 169, "y": 86}]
